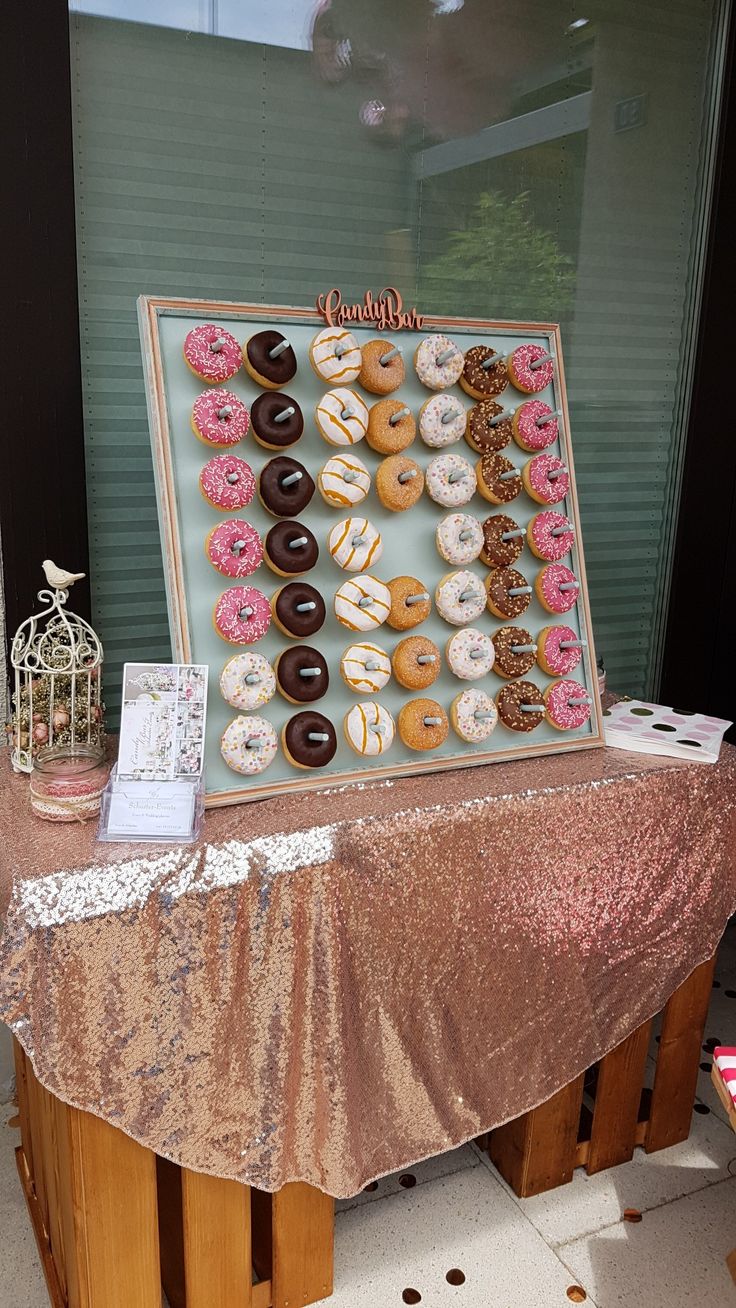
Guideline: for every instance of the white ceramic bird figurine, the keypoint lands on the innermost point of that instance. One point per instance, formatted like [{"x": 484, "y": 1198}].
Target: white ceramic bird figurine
[{"x": 58, "y": 578}]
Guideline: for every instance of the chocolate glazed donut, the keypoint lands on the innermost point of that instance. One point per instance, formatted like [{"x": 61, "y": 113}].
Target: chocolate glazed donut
[
  {"x": 284, "y": 555},
  {"x": 293, "y": 621},
  {"x": 498, "y": 553},
  {"x": 301, "y": 674},
  {"x": 302, "y": 751},
  {"x": 480, "y": 435},
  {"x": 509, "y": 701},
  {"x": 264, "y": 412},
  {"x": 275, "y": 372},
  {"x": 280, "y": 500}
]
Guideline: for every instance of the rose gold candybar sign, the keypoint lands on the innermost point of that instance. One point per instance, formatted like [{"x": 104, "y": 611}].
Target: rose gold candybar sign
[{"x": 386, "y": 311}]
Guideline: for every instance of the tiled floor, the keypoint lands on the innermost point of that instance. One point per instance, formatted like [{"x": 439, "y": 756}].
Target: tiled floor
[{"x": 450, "y": 1232}]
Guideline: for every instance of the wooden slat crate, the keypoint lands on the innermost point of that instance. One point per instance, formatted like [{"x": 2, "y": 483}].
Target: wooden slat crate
[
  {"x": 542, "y": 1148},
  {"x": 114, "y": 1223}
]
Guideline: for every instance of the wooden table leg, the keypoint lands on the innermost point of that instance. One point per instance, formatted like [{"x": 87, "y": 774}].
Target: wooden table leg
[
  {"x": 537, "y": 1151},
  {"x": 617, "y": 1099},
  {"x": 218, "y": 1271},
  {"x": 293, "y": 1243},
  {"x": 676, "y": 1075}
]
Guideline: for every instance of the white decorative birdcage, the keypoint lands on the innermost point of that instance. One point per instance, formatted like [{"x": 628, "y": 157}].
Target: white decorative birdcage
[{"x": 57, "y": 698}]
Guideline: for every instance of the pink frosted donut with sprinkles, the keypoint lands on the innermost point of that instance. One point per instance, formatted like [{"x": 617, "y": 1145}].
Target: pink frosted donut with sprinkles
[
  {"x": 566, "y": 705},
  {"x": 234, "y": 548},
  {"x": 535, "y": 426},
  {"x": 546, "y": 479},
  {"x": 525, "y": 377},
  {"x": 559, "y": 651},
  {"x": 242, "y": 615},
  {"x": 227, "y": 482},
  {"x": 219, "y": 418},
  {"x": 212, "y": 353},
  {"x": 550, "y": 535},
  {"x": 557, "y": 588}
]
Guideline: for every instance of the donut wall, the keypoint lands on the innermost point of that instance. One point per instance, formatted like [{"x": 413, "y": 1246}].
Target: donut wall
[{"x": 372, "y": 539}]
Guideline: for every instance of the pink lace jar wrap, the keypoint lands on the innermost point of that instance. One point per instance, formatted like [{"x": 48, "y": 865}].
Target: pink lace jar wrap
[{"x": 67, "y": 783}]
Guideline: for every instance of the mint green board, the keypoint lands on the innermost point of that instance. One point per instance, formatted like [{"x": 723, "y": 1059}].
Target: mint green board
[{"x": 193, "y": 585}]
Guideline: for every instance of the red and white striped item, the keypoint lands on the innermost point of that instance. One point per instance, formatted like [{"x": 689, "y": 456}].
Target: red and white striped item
[{"x": 724, "y": 1077}]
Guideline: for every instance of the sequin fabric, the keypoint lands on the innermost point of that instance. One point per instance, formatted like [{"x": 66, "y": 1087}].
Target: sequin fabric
[{"x": 330, "y": 987}]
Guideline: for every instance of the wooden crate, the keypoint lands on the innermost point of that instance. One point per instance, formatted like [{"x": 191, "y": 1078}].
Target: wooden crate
[
  {"x": 114, "y": 1223},
  {"x": 542, "y": 1148}
]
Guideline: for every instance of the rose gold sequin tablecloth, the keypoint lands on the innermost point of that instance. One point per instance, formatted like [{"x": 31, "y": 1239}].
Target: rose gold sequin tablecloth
[{"x": 329, "y": 987}]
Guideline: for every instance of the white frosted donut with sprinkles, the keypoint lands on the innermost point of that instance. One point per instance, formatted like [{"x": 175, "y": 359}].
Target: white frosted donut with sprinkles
[
  {"x": 344, "y": 481},
  {"x": 534, "y": 426},
  {"x": 557, "y": 588},
  {"x": 335, "y": 355},
  {"x": 459, "y": 538},
  {"x": 559, "y": 651},
  {"x": 566, "y": 705},
  {"x": 438, "y": 362},
  {"x": 460, "y": 597},
  {"x": 212, "y": 353},
  {"x": 365, "y": 668},
  {"x": 342, "y": 417},
  {"x": 249, "y": 745},
  {"x": 234, "y": 548},
  {"x": 247, "y": 681},
  {"x": 470, "y": 654},
  {"x": 442, "y": 421},
  {"x": 242, "y": 615},
  {"x": 362, "y": 603},
  {"x": 550, "y": 535},
  {"x": 227, "y": 482},
  {"x": 355, "y": 544},
  {"x": 524, "y": 377},
  {"x": 473, "y": 715},
  {"x": 450, "y": 481},
  {"x": 219, "y": 418},
  {"x": 369, "y": 728},
  {"x": 546, "y": 479}
]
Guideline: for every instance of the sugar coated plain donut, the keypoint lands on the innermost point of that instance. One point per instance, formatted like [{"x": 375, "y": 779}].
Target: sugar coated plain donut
[
  {"x": 567, "y": 705},
  {"x": 355, "y": 544},
  {"x": 385, "y": 436},
  {"x": 365, "y": 668},
  {"x": 484, "y": 433},
  {"x": 557, "y": 588},
  {"x": 219, "y": 418},
  {"x": 234, "y": 548},
  {"x": 416, "y": 662},
  {"x": 538, "y": 482},
  {"x": 247, "y": 681},
  {"x": 212, "y": 353},
  {"x": 362, "y": 603},
  {"x": 550, "y": 535},
  {"x": 483, "y": 383},
  {"x": 342, "y": 417},
  {"x": 410, "y": 603},
  {"x": 242, "y": 615},
  {"x": 423, "y": 724},
  {"x": 227, "y": 482},
  {"x": 369, "y": 728},
  {"x": 473, "y": 715},
  {"x": 450, "y": 481},
  {"x": 460, "y": 597},
  {"x": 559, "y": 651},
  {"x": 470, "y": 654},
  {"x": 248, "y": 745},
  {"x": 442, "y": 421},
  {"x": 335, "y": 355},
  {"x": 533, "y": 427},
  {"x": 344, "y": 481},
  {"x": 430, "y": 371},
  {"x": 399, "y": 483},
  {"x": 459, "y": 538},
  {"x": 376, "y": 376},
  {"x": 524, "y": 377}
]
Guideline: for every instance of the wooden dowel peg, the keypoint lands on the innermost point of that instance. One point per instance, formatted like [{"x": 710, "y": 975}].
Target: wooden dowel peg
[
  {"x": 511, "y": 535},
  {"x": 306, "y": 607},
  {"x": 458, "y": 475},
  {"x": 579, "y": 699},
  {"x": 555, "y": 473},
  {"x": 365, "y": 602},
  {"x": 317, "y": 735},
  {"x": 347, "y": 412},
  {"x": 386, "y": 358},
  {"x": 426, "y": 658},
  {"x": 237, "y": 546},
  {"x": 432, "y": 722},
  {"x": 569, "y": 585},
  {"x": 417, "y": 599},
  {"x": 396, "y": 417},
  {"x": 278, "y": 349},
  {"x": 466, "y": 595},
  {"x": 523, "y": 649},
  {"x": 350, "y": 475},
  {"x": 573, "y": 644},
  {"x": 539, "y": 363},
  {"x": 499, "y": 418},
  {"x": 371, "y": 665},
  {"x": 569, "y": 530},
  {"x": 547, "y": 417},
  {"x": 252, "y": 679},
  {"x": 225, "y": 411},
  {"x": 483, "y": 715},
  {"x": 449, "y": 414},
  {"x": 310, "y": 672},
  {"x": 217, "y": 345},
  {"x": 508, "y": 476},
  {"x": 379, "y": 728},
  {"x": 446, "y": 355},
  {"x": 532, "y": 708},
  {"x": 477, "y": 653},
  {"x": 491, "y": 363},
  {"x": 285, "y": 413},
  {"x": 253, "y": 743},
  {"x": 467, "y": 534},
  {"x": 233, "y": 478},
  {"x": 340, "y": 349},
  {"x": 357, "y": 541},
  {"x": 407, "y": 476},
  {"x": 519, "y": 590},
  {"x": 292, "y": 478},
  {"x": 297, "y": 544},
  {"x": 245, "y": 612}
]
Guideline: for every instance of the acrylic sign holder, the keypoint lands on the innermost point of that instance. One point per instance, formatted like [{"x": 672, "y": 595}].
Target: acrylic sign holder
[{"x": 193, "y": 585}]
